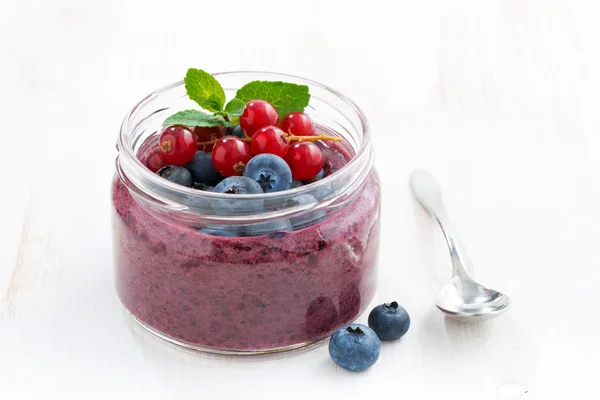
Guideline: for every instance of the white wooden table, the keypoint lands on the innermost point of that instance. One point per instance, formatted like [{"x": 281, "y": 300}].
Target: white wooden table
[{"x": 498, "y": 98}]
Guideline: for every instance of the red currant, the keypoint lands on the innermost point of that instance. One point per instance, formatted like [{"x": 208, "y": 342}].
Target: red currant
[
  {"x": 271, "y": 139},
  {"x": 298, "y": 124},
  {"x": 155, "y": 161},
  {"x": 305, "y": 160},
  {"x": 258, "y": 114},
  {"x": 177, "y": 144},
  {"x": 230, "y": 155},
  {"x": 208, "y": 135}
]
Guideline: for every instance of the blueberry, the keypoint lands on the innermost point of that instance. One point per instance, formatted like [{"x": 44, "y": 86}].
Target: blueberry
[
  {"x": 269, "y": 227},
  {"x": 354, "y": 347},
  {"x": 318, "y": 177},
  {"x": 270, "y": 171},
  {"x": 296, "y": 183},
  {"x": 235, "y": 131},
  {"x": 389, "y": 320},
  {"x": 309, "y": 217},
  {"x": 202, "y": 169},
  {"x": 237, "y": 185},
  {"x": 203, "y": 187},
  {"x": 176, "y": 174},
  {"x": 222, "y": 230}
]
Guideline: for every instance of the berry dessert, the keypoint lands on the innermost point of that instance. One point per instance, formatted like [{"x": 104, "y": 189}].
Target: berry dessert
[{"x": 235, "y": 232}]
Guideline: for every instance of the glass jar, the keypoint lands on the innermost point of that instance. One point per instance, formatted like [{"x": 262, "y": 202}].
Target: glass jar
[{"x": 246, "y": 273}]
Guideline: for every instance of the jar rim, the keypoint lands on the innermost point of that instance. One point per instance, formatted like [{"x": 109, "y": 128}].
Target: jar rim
[{"x": 123, "y": 144}]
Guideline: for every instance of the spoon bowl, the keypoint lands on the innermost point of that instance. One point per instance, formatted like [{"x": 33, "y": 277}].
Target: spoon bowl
[
  {"x": 463, "y": 298},
  {"x": 470, "y": 301}
]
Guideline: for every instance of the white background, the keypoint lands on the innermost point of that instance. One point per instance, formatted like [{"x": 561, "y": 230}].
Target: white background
[{"x": 498, "y": 98}]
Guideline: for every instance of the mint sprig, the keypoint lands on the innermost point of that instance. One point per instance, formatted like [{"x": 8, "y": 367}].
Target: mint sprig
[
  {"x": 285, "y": 97},
  {"x": 205, "y": 90},
  {"x": 235, "y": 107},
  {"x": 194, "y": 118}
]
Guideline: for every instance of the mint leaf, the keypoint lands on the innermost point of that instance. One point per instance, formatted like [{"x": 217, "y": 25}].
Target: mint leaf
[
  {"x": 235, "y": 107},
  {"x": 204, "y": 89},
  {"x": 285, "y": 97},
  {"x": 193, "y": 118}
]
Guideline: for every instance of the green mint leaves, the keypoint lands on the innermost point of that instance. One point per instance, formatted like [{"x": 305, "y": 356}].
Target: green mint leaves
[
  {"x": 205, "y": 90},
  {"x": 285, "y": 97},
  {"x": 194, "y": 118},
  {"x": 235, "y": 107}
]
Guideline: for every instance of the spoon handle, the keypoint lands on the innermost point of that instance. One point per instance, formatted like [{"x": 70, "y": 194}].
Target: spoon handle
[{"x": 427, "y": 191}]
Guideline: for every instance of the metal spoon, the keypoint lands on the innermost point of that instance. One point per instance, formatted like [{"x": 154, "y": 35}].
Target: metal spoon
[{"x": 462, "y": 298}]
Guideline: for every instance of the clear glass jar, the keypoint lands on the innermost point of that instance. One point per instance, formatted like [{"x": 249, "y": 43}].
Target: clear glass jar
[{"x": 232, "y": 281}]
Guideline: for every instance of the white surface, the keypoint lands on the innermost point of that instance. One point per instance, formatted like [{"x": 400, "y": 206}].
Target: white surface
[{"x": 498, "y": 98}]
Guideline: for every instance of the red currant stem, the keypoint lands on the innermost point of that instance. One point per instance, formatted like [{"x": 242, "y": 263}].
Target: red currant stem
[
  {"x": 247, "y": 139},
  {"x": 294, "y": 138}
]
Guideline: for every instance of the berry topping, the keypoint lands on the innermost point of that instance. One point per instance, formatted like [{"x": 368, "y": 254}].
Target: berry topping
[
  {"x": 238, "y": 185},
  {"x": 258, "y": 114},
  {"x": 155, "y": 160},
  {"x": 202, "y": 169},
  {"x": 176, "y": 174},
  {"x": 270, "y": 171},
  {"x": 177, "y": 144},
  {"x": 354, "y": 347},
  {"x": 230, "y": 155},
  {"x": 208, "y": 134},
  {"x": 235, "y": 131},
  {"x": 309, "y": 217},
  {"x": 305, "y": 160},
  {"x": 298, "y": 124},
  {"x": 272, "y": 140},
  {"x": 318, "y": 177},
  {"x": 389, "y": 320}
]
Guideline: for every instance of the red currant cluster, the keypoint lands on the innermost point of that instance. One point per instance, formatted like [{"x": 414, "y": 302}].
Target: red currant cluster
[{"x": 291, "y": 140}]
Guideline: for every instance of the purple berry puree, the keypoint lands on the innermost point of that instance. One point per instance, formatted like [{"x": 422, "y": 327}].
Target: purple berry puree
[{"x": 248, "y": 293}]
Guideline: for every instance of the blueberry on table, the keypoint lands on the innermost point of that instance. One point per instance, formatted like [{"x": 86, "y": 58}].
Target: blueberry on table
[
  {"x": 354, "y": 347},
  {"x": 176, "y": 174},
  {"x": 270, "y": 171},
  {"x": 237, "y": 185},
  {"x": 202, "y": 169},
  {"x": 390, "y": 321}
]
